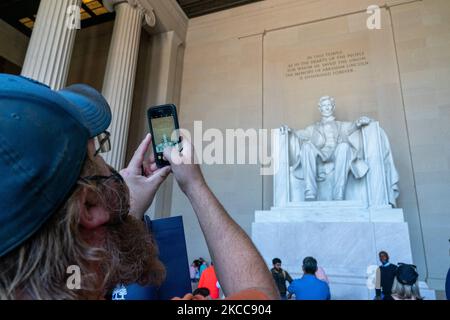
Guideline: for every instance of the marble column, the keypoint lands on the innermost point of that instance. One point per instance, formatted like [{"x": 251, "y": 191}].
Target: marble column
[
  {"x": 118, "y": 85},
  {"x": 50, "y": 48}
]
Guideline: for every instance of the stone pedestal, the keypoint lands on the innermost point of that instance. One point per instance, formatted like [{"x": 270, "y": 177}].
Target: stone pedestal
[{"x": 344, "y": 236}]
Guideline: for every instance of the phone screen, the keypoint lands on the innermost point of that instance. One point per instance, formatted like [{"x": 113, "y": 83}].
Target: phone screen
[
  {"x": 164, "y": 132},
  {"x": 163, "y": 121}
]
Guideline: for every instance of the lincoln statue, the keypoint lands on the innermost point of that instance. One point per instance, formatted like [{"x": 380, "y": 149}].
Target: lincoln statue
[{"x": 325, "y": 150}]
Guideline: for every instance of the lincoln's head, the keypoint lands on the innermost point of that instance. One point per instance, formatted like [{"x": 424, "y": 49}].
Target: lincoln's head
[{"x": 327, "y": 105}]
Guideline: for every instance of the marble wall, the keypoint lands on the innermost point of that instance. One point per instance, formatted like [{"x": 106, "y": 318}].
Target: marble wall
[
  {"x": 90, "y": 54},
  {"x": 238, "y": 74},
  {"x": 227, "y": 96},
  {"x": 422, "y": 34}
]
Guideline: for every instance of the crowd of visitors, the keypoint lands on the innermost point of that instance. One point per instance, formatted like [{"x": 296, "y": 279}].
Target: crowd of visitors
[{"x": 392, "y": 282}]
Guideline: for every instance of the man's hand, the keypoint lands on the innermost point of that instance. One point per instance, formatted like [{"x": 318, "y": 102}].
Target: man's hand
[
  {"x": 186, "y": 172},
  {"x": 363, "y": 121},
  {"x": 143, "y": 179},
  {"x": 190, "y": 296}
]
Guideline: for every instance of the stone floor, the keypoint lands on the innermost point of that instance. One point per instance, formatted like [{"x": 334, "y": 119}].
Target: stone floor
[{"x": 440, "y": 295}]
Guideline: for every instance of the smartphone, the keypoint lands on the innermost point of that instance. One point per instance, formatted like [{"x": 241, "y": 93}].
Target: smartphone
[{"x": 164, "y": 127}]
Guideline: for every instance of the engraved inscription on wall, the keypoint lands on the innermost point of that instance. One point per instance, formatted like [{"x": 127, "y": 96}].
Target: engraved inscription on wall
[{"x": 327, "y": 64}]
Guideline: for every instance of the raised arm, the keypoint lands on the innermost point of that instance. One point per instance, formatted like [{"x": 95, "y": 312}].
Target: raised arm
[
  {"x": 228, "y": 244},
  {"x": 143, "y": 179}
]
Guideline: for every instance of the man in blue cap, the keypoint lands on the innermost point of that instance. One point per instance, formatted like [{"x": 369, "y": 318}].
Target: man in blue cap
[
  {"x": 61, "y": 205},
  {"x": 63, "y": 210}
]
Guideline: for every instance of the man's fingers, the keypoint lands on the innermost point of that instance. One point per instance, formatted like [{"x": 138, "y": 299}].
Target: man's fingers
[
  {"x": 177, "y": 155},
  {"x": 152, "y": 158},
  {"x": 149, "y": 165},
  {"x": 160, "y": 174},
  {"x": 184, "y": 140},
  {"x": 138, "y": 157},
  {"x": 173, "y": 156},
  {"x": 188, "y": 296},
  {"x": 153, "y": 167},
  {"x": 168, "y": 154}
]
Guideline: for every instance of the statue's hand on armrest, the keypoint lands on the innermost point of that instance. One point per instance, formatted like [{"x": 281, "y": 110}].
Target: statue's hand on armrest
[
  {"x": 362, "y": 122},
  {"x": 285, "y": 129}
]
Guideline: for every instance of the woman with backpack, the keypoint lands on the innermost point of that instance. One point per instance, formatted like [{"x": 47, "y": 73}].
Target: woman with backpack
[{"x": 406, "y": 283}]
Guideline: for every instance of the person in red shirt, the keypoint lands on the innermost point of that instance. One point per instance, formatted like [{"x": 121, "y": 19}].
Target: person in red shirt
[{"x": 209, "y": 280}]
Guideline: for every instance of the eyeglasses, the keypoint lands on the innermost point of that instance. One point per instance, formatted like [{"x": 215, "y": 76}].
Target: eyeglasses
[
  {"x": 98, "y": 178},
  {"x": 121, "y": 194},
  {"x": 102, "y": 143}
]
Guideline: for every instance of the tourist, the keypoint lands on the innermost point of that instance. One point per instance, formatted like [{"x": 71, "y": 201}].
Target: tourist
[
  {"x": 202, "y": 267},
  {"x": 280, "y": 277},
  {"x": 194, "y": 271},
  {"x": 406, "y": 283},
  {"x": 321, "y": 275},
  {"x": 447, "y": 285},
  {"x": 204, "y": 292},
  {"x": 309, "y": 287},
  {"x": 384, "y": 277},
  {"x": 209, "y": 280}
]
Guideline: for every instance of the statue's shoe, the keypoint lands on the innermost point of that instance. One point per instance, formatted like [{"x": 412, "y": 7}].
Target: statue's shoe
[
  {"x": 309, "y": 196},
  {"x": 339, "y": 196}
]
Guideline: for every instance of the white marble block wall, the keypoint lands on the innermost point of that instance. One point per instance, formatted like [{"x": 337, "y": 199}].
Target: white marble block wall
[
  {"x": 346, "y": 249},
  {"x": 342, "y": 248}
]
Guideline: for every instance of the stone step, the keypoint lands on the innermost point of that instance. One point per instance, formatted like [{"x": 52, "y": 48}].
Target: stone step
[{"x": 329, "y": 214}]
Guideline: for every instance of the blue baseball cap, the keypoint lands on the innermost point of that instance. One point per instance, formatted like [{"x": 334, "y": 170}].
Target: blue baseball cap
[{"x": 43, "y": 145}]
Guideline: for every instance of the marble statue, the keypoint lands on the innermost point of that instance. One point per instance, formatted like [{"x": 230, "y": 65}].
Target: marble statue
[
  {"x": 333, "y": 150},
  {"x": 346, "y": 170}
]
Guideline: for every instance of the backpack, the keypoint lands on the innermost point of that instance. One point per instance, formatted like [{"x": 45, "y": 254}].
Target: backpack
[{"x": 407, "y": 274}]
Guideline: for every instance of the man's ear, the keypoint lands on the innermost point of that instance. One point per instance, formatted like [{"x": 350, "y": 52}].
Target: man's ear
[{"x": 92, "y": 214}]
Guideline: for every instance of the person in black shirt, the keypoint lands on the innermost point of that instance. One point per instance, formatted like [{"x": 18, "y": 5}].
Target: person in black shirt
[
  {"x": 385, "y": 277},
  {"x": 280, "y": 276},
  {"x": 447, "y": 285}
]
